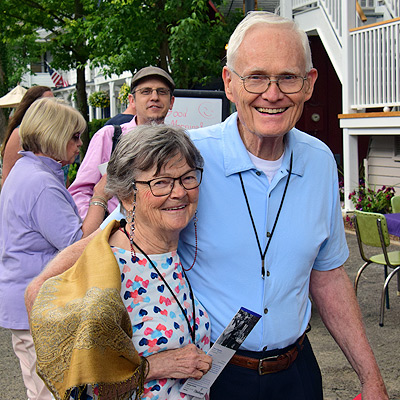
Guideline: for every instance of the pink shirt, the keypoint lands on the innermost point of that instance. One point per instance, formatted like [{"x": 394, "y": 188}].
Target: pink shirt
[{"x": 98, "y": 152}]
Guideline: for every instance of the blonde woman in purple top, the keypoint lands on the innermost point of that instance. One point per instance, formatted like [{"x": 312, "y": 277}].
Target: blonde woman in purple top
[{"x": 38, "y": 218}]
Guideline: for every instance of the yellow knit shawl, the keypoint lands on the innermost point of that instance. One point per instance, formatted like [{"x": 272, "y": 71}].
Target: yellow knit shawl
[{"x": 82, "y": 331}]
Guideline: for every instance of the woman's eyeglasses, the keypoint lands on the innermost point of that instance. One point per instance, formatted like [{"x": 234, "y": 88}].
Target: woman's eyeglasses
[{"x": 164, "y": 186}]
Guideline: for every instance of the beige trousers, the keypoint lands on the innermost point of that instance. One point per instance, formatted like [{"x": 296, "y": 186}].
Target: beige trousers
[{"x": 24, "y": 349}]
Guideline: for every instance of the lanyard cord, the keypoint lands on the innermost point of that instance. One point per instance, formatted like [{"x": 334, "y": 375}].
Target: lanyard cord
[
  {"x": 184, "y": 311},
  {"x": 269, "y": 235}
]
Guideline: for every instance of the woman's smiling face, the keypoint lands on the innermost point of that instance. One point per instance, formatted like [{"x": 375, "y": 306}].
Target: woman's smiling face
[{"x": 164, "y": 216}]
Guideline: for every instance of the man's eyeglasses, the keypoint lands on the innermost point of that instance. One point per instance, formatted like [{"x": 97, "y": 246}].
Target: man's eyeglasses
[
  {"x": 147, "y": 91},
  {"x": 258, "y": 84},
  {"x": 164, "y": 186}
]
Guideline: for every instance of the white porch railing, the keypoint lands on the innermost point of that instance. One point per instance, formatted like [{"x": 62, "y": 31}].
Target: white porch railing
[
  {"x": 302, "y": 3},
  {"x": 376, "y": 59},
  {"x": 375, "y": 75},
  {"x": 332, "y": 9},
  {"x": 394, "y": 7}
]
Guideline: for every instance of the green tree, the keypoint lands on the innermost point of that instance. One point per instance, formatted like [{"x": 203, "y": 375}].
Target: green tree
[
  {"x": 185, "y": 37},
  {"x": 16, "y": 52},
  {"x": 67, "y": 22}
]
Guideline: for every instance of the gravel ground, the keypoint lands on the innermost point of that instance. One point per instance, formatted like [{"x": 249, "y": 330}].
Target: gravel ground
[{"x": 340, "y": 381}]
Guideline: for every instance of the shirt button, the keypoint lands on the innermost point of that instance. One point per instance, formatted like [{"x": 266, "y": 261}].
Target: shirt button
[
  {"x": 265, "y": 310},
  {"x": 268, "y": 273},
  {"x": 258, "y": 173},
  {"x": 265, "y": 348}
]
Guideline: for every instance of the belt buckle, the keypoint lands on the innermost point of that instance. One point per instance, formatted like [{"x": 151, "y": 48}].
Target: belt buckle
[{"x": 260, "y": 362}]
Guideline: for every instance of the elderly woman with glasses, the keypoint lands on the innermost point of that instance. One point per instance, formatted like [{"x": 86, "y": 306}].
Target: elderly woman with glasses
[{"x": 130, "y": 325}]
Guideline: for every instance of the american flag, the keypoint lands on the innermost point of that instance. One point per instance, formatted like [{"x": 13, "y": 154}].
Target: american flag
[{"x": 57, "y": 78}]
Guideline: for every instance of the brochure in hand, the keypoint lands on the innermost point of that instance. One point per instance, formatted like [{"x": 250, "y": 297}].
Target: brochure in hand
[{"x": 223, "y": 350}]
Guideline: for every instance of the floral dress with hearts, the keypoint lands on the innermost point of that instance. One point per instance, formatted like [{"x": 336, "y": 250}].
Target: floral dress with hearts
[{"x": 157, "y": 321}]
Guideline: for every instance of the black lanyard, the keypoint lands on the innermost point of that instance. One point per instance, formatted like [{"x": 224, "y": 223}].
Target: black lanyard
[
  {"x": 269, "y": 235},
  {"x": 184, "y": 311}
]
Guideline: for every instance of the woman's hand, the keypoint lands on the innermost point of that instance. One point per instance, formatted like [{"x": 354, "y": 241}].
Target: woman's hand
[{"x": 186, "y": 362}]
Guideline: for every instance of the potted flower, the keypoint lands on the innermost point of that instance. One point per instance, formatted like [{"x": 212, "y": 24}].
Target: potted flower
[
  {"x": 100, "y": 99},
  {"x": 367, "y": 199},
  {"x": 124, "y": 93}
]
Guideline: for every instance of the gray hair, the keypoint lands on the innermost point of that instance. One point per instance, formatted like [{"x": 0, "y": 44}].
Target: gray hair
[
  {"x": 146, "y": 147},
  {"x": 266, "y": 18}
]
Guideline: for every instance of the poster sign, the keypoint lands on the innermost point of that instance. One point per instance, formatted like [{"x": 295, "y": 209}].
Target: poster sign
[{"x": 198, "y": 108}]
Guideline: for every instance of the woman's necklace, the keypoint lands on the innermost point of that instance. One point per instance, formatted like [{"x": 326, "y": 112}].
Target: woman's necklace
[
  {"x": 184, "y": 311},
  {"x": 269, "y": 235}
]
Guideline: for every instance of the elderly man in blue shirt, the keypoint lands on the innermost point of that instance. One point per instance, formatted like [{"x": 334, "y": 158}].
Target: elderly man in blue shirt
[{"x": 270, "y": 231}]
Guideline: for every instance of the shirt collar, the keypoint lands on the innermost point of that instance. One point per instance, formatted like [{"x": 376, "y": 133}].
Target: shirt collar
[
  {"x": 236, "y": 158},
  {"x": 50, "y": 163}
]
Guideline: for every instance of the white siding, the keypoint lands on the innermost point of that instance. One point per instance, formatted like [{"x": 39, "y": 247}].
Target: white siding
[{"x": 383, "y": 169}]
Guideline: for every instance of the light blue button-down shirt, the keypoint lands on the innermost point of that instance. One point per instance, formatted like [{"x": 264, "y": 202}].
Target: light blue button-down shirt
[{"x": 309, "y": 233}]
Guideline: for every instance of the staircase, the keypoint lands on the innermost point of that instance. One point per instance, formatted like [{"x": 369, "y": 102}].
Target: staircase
[{"x": 363, "y": 43}]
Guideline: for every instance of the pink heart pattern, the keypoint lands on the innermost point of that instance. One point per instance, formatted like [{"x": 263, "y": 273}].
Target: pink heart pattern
[{"x": 157, "y": 320}]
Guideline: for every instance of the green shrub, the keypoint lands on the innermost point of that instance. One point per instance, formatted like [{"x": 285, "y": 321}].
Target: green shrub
[
  {"x": 95, "y": 125},
  {"x": 72, "y": 170}
]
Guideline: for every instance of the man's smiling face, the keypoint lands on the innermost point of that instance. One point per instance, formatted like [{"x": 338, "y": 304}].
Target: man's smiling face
[
  {"x": 268, "y": 51},
  {"x": 153, "y": 107}
]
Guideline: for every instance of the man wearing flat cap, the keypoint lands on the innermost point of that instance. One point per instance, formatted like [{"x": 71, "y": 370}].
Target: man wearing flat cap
[{"x": 152, "y": 97}]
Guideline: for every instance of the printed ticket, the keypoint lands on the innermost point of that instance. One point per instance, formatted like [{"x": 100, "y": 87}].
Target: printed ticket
[{"x": 223, "y": 350}]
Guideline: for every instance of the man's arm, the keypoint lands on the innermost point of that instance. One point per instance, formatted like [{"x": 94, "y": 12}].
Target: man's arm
[
  {"x": 88, "y": 175},
  {"x": 63, "y": 261},
  {"x": 333, "y": 294}
]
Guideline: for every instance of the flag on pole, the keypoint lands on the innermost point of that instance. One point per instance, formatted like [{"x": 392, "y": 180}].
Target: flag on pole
[{"x": 57, "y": 78}]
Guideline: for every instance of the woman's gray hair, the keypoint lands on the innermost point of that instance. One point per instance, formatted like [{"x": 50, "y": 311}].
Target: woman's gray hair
[
  {"x": 142, "y": 149},
  {"x": 265, "y": 18}
]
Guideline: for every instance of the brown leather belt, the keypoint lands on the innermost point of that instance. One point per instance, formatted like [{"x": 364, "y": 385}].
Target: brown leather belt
[{"x": 270, "y": 365}]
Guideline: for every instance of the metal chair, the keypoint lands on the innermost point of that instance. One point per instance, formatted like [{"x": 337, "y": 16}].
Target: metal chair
[
  {"x": 395, "y": 203},
  {"x": 371, "y": 230}
]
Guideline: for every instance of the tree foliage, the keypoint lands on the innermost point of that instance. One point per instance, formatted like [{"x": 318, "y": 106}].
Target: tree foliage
[
  {"x": 65, "y": 24},
  {"x": 16, "y": 52},
  {"x": 185, "y": 37}
]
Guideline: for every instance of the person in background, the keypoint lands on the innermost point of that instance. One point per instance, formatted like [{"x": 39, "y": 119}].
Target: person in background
[
  {"x": 38, "y": 218},
  {"x": 152, "y": 97},
  {"x": 155, "y": 172},
  {"x": 126, "y": 116},
  {"x": 11, "y": 144}
]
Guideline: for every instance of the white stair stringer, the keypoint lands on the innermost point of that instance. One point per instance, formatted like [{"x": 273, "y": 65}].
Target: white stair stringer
[{"x": 316, "y": 19}]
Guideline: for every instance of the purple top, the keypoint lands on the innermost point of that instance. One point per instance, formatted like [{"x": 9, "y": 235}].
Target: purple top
[{"x": 38, "y": 217}]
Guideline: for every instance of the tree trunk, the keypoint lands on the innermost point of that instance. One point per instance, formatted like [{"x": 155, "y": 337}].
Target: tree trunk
[
  {"x": 3, "y": 115},
  {"x": 81, "y": 99},
  {"x": 164, "y": 55}
]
